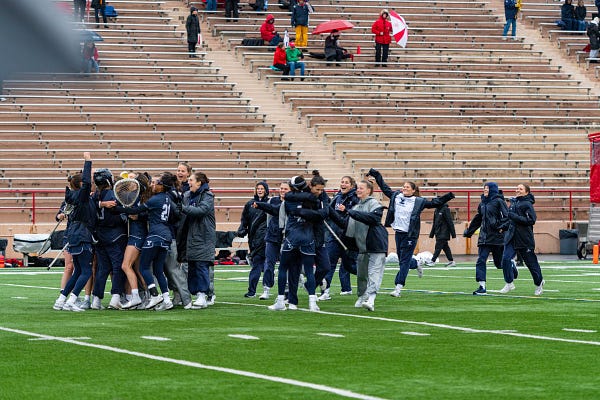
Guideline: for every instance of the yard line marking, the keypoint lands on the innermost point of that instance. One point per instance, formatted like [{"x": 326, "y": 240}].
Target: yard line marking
[
  {"x": 337, "y": 335},
  {"x": 157, "y": 338},
  {"x": 245, "y": 337},
  {"x": 415, "y": 334},
  {"x": 72, "y": 338},
  {"x": 579, "y": 330},
  {"x": 248, "y": 374},
  {"x": 19, "y": 297},
  {"x": 446, "y": 326}
]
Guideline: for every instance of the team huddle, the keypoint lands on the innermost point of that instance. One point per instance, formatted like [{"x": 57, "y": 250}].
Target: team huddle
[{"x": 154, "y": 234}]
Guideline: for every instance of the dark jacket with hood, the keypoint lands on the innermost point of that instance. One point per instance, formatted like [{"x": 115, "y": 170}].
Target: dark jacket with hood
[
  {"x": 83, "y": 217},
  {"x": 491, "y": 218},
  {"x": 365, "y": 226},
  {"x": 414, "y": 226},
  {"x": 300, "y": 15},
  {"x": 196, "y": 240},
  {"x": 521, "y": 218},
  {"x": 314, "y": 210},
  {"x": 340, "y": 219},
  {"x": 443, "y": 226},
  {"x": 254, "y": 223},
  {"x": 274, "y": 233},
  {"x": 192, "y": 26}
]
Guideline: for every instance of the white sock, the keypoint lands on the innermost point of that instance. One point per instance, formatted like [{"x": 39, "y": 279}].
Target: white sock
[
  {"x": 116, "y": 297},
  {"x": 62, "y": 297},
  {"x": 166, "y": 296},
  {"x": 135, "y": 292},
  {"x": 86, "y": 297},
  {"x": 280, "y": 298},
  {"x": 128, "y": 297},
  {"x": 482, "y": 284}
]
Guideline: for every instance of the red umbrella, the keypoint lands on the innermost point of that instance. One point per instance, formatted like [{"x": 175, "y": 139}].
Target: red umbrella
[{"x": 334, "y": 24}]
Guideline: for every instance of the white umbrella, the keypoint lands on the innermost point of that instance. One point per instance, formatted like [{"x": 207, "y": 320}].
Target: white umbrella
[{"x": 399, "y": 28}]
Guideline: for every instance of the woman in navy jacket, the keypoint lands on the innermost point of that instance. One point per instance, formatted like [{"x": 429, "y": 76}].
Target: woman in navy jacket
[
  {"x": 518, "y": 238},
  {"x": 83, "y": 224},
  {"x": 404, "y": 216}
]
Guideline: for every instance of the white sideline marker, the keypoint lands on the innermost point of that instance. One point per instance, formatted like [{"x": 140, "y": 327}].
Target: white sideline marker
[
  {"x": 157, "y": 338},
  {"x": 19, "y": 297},
  {"x": 71, "y": 338},
  {"x": 579, "y": 330},
  {"x": 415, "y": 334},
  {"x": 330, "y": 334},
  {"x": 286, "y": 381},
  {"x": 245, "y": 337}
]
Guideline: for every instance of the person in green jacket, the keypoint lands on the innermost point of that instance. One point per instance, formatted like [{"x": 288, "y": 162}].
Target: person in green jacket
[{"x": 293, "y": 56}]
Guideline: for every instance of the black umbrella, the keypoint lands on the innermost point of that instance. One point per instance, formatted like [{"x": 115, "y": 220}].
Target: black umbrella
[
  {"x": 35, "y": 36},
  {"x": 86, "y": 35}
]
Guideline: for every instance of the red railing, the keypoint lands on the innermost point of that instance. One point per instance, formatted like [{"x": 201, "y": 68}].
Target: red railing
[{"x": 467, "y": 200}]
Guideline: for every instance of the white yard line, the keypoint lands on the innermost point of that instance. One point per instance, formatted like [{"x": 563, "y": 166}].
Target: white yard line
[{"x": 248, "y": 374}]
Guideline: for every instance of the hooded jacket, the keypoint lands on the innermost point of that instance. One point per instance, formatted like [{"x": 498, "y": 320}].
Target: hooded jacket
[
  {"x": 510, "y": 9},
  {"x": 192, "y": 26},
  {"x": 443, "y": 226},
  {"x": 340, "y": 219},
  {"x": 521, "y": 218},
  {"x": 365, "y": 226},
  {"x": 267, "y": 29},
  {"x": 274, "y": 233},
  {"x": 254, "y": 223},
  {"x": 491, "y": 218},
  {"x": 300, "y": 15},
  {"x": 414, "y": 226},
  {"x": 83, "y": 217},
  {"x": 382, "y": 28},
  {"x": 196, "y": 239}
]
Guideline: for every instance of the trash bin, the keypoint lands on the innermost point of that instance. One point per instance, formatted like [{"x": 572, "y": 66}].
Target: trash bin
[{"x": 568, "y": 241}]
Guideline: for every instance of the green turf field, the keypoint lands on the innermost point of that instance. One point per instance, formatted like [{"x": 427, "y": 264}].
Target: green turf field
[{"x": 437, "y": 341}]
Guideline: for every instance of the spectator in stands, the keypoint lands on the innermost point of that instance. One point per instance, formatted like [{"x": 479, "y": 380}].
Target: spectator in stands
[
  {"x": 79, "y": 10},
  {"x": 518, "y": 238},
  {"x": 404, "y": 216},
  {"x": 260, "y": 6},
  {"x": 232, "y": 10},
  {"x": 580, "y": 11},
  {"x": 371, "y": 237},
  {"x": 268, "y": 32},
  {"x": 333, "y": 51},
  {"x": 100, "y": 6},
  {"x": 491, "y": 220},
  {"x": 510, "y": 12},
  {"x": 597, "y": 4},
  {"x": 192, "y": 27},
  {"x": 442, "y": 229},
  {"x": 594, "y": 34},
  {"x": 273, "y": 237},
  {"x": 254, "y": 224},
  {"x": 280, "y": 59},
  {"x": 293, "y": 57},
  {"x": 567, "y": 16},
  {"x": 89, "y": 58},
  {"x": 211, "y": 5},
  {"x": 382, "y": 29},
  {"x": 299, "y": 20}
]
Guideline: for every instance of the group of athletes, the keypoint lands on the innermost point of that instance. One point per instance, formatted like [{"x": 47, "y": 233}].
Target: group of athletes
[{"x": 166, "y": 240}]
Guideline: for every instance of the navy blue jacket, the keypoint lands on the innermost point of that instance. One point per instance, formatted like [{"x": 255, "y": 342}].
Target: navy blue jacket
[
  {"x": 111, "y": 225},
  {"x": 83, "y": 216},
  {"x": 491, "y": 219},
  {"x": 159, "y": 209},
  {"x": 510, "y": 9},
  {"x": 254, "y": 224},
  {"x": 414, "y": 226},
  {"x": 340, "y": 219},
  {"x": 521, "y": 218},
  {"x": 300, "y": 15},
  {"x": 273, "y": 234},
  {"x": 299, "y": 226}
]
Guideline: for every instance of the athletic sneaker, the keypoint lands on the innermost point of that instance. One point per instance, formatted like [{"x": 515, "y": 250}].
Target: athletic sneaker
[
  {"x": 200, "y": 302},
  {"x": 278, "y": 306},
  {"x": 325, "y": 296},
  {"x": 97, "y": 304},
  {"x": 430, "y": 263},
  {"x": 83, "y": 304},
  {"x": 507, "y": 288},
  {"x": 312, "y": 303},
  {"x": 250, "y": 295},
  {"x": 369, "y": 305},
  {"x": 164, "y": 306},
  {"x": 539, "y": 289},
  {"x": 346, "y": 293},
  {"x": 265, "y": 295},
  {"x": 359, "y": 302},
  {"x": 480, "y": 291},
  {"x": 154, "y": 301},
  {"x": 397, "y": 291},
  {"x": 72, "y": 307},
  {"x": 292, "y": 307},
  {"x": 323, "y": 285},
  {"x": 515, "y": 269},
  {"x": 58, "y": 304},
  {"x": 114, "y": 304},
  {"x": 188, "y": 306},
  {"x": 451, "y": 264},
  {"x": 210, "y": 300},
  {"x": 131, "y": 304}
]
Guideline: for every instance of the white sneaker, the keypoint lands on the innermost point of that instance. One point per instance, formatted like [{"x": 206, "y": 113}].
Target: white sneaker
[
  {"x": 507, "y": 288},
  {"x": 430, "y": 263},
  {"x": 359, "y": 302},
  {"x": 154, "y": 301},
  {"x": 265, "y": 295},
  {"x": 312, "y": 303},
  {"x": 115, "y": 303},
  {"x": 58, "y": 304},
  {"x": 539, "y": 289},
  {"x": 97, "y": 304},
  {"x": 188, "y": 306},
  {"x": 369, "y": 305},
  {"x": 323, "y": 285},
  {"x": 279, "y": 305},
  {"x": 210, "y": 301},
  {"x": 451, "y": 264},
  {"x": 200, "y": 301},
  {"x": 72, "y": 307},
  {"x": 324, "y": 296},
  {"x": 164, "y": 306},
  {"x": 347, "y": 293},
  {"x": 133, "y": 303},
  {"x": 83, "y": 304},
  {"x": 397, "y": 292},
  {"x": 2, "y": 98},
  {"x": 292, "y": 307}
]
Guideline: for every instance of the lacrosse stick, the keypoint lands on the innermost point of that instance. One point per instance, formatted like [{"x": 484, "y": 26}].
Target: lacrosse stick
[
  {"x": 57, "y": 256},
  {"x": 126, "y": 193},
  {"x": 66, "y": 211},
  {"x": 336, "y": 237}
]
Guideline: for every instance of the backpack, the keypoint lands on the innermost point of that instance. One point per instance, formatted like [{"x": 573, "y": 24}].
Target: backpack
[
  {"x": 110, "y": 12},
  {"x": 252, "y": 42}
]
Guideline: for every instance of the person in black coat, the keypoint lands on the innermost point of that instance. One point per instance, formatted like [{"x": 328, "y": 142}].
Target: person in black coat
[
  {"x": 491, "y": 220},
  {"x": 594, "y": 34},
  {"x": 254, "y": 224},
  {"x": 518, "y": 238},
  {"x": 442, "y": 229},
  {"x": 192, "y": 27}
]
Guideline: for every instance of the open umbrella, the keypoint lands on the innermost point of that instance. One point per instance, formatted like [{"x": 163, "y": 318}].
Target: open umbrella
[
  {"x": 334, "y": 24},
  {"x": 399, "y": 28},
  {"x": 86, "y": 35}
]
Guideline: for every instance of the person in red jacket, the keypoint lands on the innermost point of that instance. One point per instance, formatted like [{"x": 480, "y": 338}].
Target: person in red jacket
[
  {"x": 280, "y": 59},
  {"x": 382, "y": 28},
  {"x": 268, "y": 32}
]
